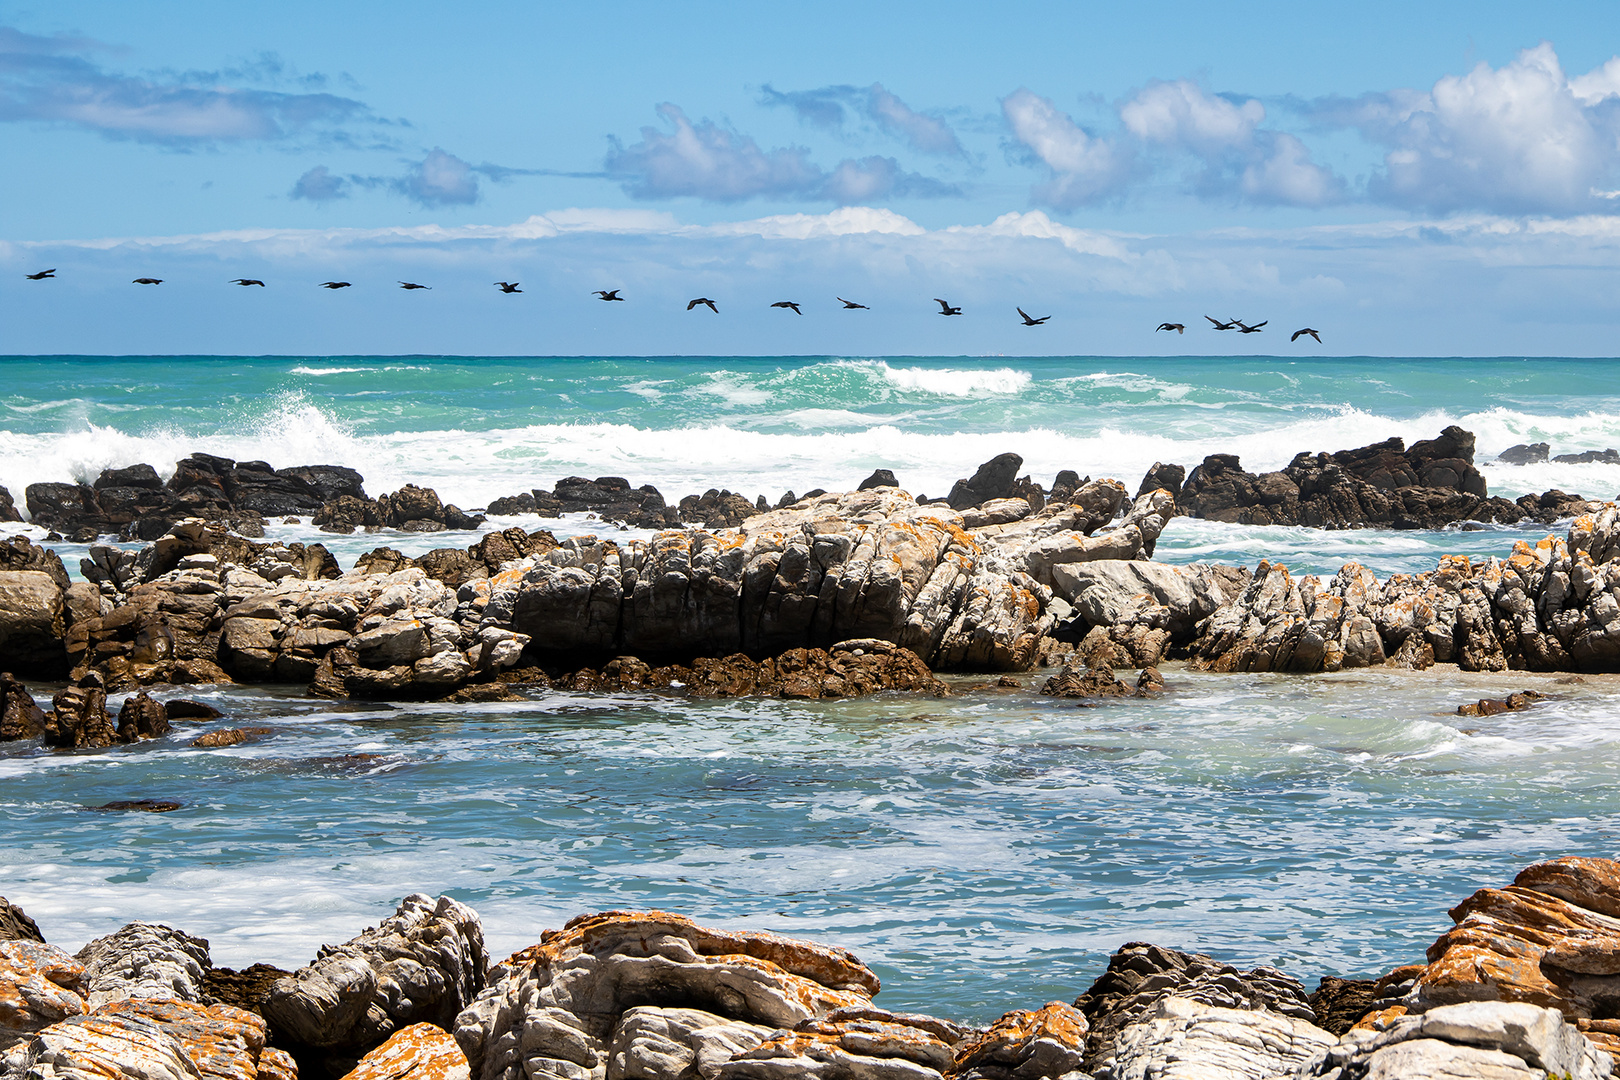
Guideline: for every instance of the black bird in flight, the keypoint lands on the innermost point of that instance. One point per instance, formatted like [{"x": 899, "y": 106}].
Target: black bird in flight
[
  {"x": 1177, "y": 327},
  {"x": 335, "y": 284},
  {"x": 42, "y": 275},
  {"x": 1222, "y": 325},
  {"x": 705, "y": 301},
  {"x": 1027, "y": 320},
  {"x": 413, "y": 285},
  {"x": 248, "y": 281},
  {"x": 1300, "y": 333},
  {"x": 508, "y": 286},
  {"x": 1255, "y": 329},
  {"x": 788, "y": 303},
  {"x": 147, "y": 281},
  {"x": 850, "y": 305},
  {"x": 946, "y": 309},
  {"x": 610, "y": 294}
]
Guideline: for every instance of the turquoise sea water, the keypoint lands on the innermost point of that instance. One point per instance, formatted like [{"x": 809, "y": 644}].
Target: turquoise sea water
[{"x": 984, "y": 851}]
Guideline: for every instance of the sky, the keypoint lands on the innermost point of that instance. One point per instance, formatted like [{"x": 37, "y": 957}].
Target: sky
[{"x": 1435, "y": 179}]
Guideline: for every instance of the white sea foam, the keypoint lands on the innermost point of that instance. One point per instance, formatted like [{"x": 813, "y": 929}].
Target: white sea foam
[
  {"x": 946, "y": 382},
  {"x": 303, "y": 370}
]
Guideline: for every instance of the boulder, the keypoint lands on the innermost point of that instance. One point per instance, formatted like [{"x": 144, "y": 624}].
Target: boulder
[
  {"x": 422, "y": 965},
  {"x": 993, "y": 480},
  {"x": 1168, "y": 477},
  {"x": 418, "y": 1052},
  {"x": 8, "y": 506},
  {"x": 881, "y": 478},
  {"x": 1134, "y": 591},
  {"x": 1524, "y": 454},
  {"x": 1140, "y": 975},
  {"x": 1024, "y": 1045},
  {"x": 556, "y": 1008},
  {"x": 155, "y": 1040},
  {"x": 78, "y": 718},
  {"x": 40, "y": 985},
  {"x": 15, "y": 925},
  {"x": 142, "y": 717},
  {"x": 20, "y": 717},
  {"x": 1182, "y": 1039},
  {"x": 1094, "y": 682},
  {"x": 33, "y": 622},
  {"x": 1477, "y": 1039},
  {"x": 144, "y": 960}
]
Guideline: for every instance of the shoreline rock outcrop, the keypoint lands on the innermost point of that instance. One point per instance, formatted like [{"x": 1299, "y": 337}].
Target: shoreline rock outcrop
[{"x": 1522, "y": 986}]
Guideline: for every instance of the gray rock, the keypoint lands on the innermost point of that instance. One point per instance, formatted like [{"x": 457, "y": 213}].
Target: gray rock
[
  {"x": 1524, "y": 454},
  {"x": 144, "y": 960},
  {"x": 1181, "y": 1039}
]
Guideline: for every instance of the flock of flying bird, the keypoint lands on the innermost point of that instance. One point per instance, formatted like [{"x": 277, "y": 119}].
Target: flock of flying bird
[{"x": 610, "y": 295}]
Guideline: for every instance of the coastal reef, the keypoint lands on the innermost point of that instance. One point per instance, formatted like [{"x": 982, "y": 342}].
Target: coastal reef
[{"x": 1523, "y": 985}]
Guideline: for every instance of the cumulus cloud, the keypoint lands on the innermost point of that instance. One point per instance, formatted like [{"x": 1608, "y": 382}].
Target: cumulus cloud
[
  {"x": 1084, "y": 168},
  {"x": 440, "y": 179},
  {"x": 705, "y": 161},
  {"x": 52, "y": 80},
  {"x": 320, "y": 185},
  {"x": 1522, "y": 138},
  {"x": 829, "y": 107}
]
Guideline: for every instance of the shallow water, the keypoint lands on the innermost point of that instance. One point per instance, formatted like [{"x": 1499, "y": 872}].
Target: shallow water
[{"x": 981, "y": 852}]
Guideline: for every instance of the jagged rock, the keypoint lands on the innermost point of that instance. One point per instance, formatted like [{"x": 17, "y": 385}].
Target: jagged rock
[
  {"x": 1478, "y": 1039},
  {"x": 418, "y": 1052},
  {"x": 849, "y": 669},
  {"x": 1168, "y": 477},
  {"x": 993, "y": 480},
  {"x": 33, "y": 616},
  {"x": 142, "y": 717},
  {"x": 1524, "y": 454},
  {"x": 1136, "y": 592},
  {"x": 144, "y": 960},
  {"x": 1588, "y": 457},
  {"x": 1521, "y": 699},
  {"x": 1182, "y": 1039},
  {"x": 422, "y": 965},
  {"x": 40, "y": 985},
  {"x": 864, "y": 1043},
  {"x": 1278, "y": 624},
  {"x": 658, "y": 1042},
  {"x": 20, "y": 717},
  {"x": 1139, "y": 975},
  {"x": 879, "y": 478},
  {"x": 554, "y": 1008},
  {"x": 245, "y": 989},
  {"x": 716, "y": 509},
  {"x": 15, "y": 925},
  {"x": 1339, "y": 1003},
  {"x": 1095, "y": 682},
  {"x": 152, "y": 1040},
  {"x": 8, "y": 506},
  {"x": 78, "y": 719},
  {"x": 1025, "y": 1045},
  {"x": 346, "y": 513}
]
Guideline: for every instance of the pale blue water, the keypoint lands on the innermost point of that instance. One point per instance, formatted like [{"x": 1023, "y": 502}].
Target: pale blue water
[{"x": 982, "y": 852}]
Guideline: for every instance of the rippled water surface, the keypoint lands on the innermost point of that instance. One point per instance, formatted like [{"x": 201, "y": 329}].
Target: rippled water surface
[{"x": 982, "y": 852}]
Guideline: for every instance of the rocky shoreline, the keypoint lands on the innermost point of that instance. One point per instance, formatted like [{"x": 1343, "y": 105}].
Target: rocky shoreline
[
  {"x": 1523, "y": 985},
  {"x": 820, "y": 597}
]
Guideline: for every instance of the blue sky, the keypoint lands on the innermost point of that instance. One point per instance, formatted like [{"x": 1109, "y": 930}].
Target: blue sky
[{"x": 1409, "y": 179}]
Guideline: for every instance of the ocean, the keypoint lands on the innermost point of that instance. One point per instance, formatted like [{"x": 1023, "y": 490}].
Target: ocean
[{"x": 982, "y": 852}]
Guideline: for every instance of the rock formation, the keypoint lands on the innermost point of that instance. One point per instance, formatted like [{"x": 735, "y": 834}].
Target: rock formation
[{"x": 1477, "y": 1039}]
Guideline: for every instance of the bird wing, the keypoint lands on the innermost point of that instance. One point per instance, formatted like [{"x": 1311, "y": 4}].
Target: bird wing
[
  {"x": 1024, "y": 313},
  {"x": 1217, "y": 323},
  {"x": 690, "y": 304},
  {"x": 1259, "y": 324},
  {"x": 942, "y": 304}
]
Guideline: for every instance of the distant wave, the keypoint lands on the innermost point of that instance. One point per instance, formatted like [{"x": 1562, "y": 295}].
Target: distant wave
[
  {"x": 950, "y": 382},
  {"x": 302, "y": 370}
]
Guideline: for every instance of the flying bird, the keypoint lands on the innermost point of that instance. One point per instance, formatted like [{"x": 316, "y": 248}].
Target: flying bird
[
  {"x": 788, "y": 303},
  {"x": 42, "y": 275},
  {"x": 705, "y": 301},
  {"x": 1222, "y": 325},
  {"x": 1177, "y": 327},
  {"x": 1027, "y": 320},
  {"x": 508, "y": 286},
  {"x": 610, "y": 294},
  {"x": 335, "y": 284},
  {"x": 247, "y": 281},
  {"x": 1244, "y": 329},
  {"x": 413, "y": 285},
  {"x": 850, "y": 305},
  {"x": 147, "y": 281},
  {"x": 946, "y": 309},
  {"x": 1300, "y": 333}
]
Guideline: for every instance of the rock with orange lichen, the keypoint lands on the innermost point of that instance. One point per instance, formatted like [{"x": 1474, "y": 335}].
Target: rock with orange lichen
[
  {"x": 1026, "y": 1044},
  {"x": 153, "y": 1039},
  {"x": 1551, "y": 939},
  {"x": 553, "y": 1009},
  {"x": 418, "y": 1052},
  {"x": 39, "y": 986},
  {"x": 424, "y": 963}
]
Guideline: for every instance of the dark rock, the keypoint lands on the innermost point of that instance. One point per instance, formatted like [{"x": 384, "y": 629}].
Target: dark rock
[
  {"x": 20, "y": 717},
  {"x": 508, "y": 505},
  {"x": 61, "y": 506},
  {"x": 849, "y": 669},
  {"x": 879, "y": 478},
  {"x": 412, "y": 504},
  {"x": 1093, "y": 682},
  {"x": 78, "y": 718},
  {"x": 1524, "y": 454},
  {"x": 141, "y": 806},
  {"x": 186, "y": 709},
  {"x": 1139, "y": 975},
  {"x": 347, "y": 513},
  {"x": 993, "y": 480},
  {"x": 456, "y": 519},
  {"x": 213, "y": 740},
  {"x": 787, "y": 499},
  {"x": 1588, "y": 457},
  {"x": 1339, "y": 1003},
  {"x": 327, "y": 482},
  {"x": 8, "y": 506},
  {"x": 1523, "y": 699},
  {"x": 1168, "y": 477},
  {"x": 716, "y": 509},
  {"x": 1066, "y": 484},
  {"x": 383, "y": 560},
  {"x": 15, "y": 925},
  {"x": 142, "y": 717},
  {"x": 245, "y": 989},
  {"x": 132, "y": 476}
]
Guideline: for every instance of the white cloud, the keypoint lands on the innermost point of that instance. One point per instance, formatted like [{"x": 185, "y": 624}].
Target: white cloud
[
  {"x": 440, "y": 179},
  {"x": 1084, "y": 168},
  {"x": 1181, "y": 114}
]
